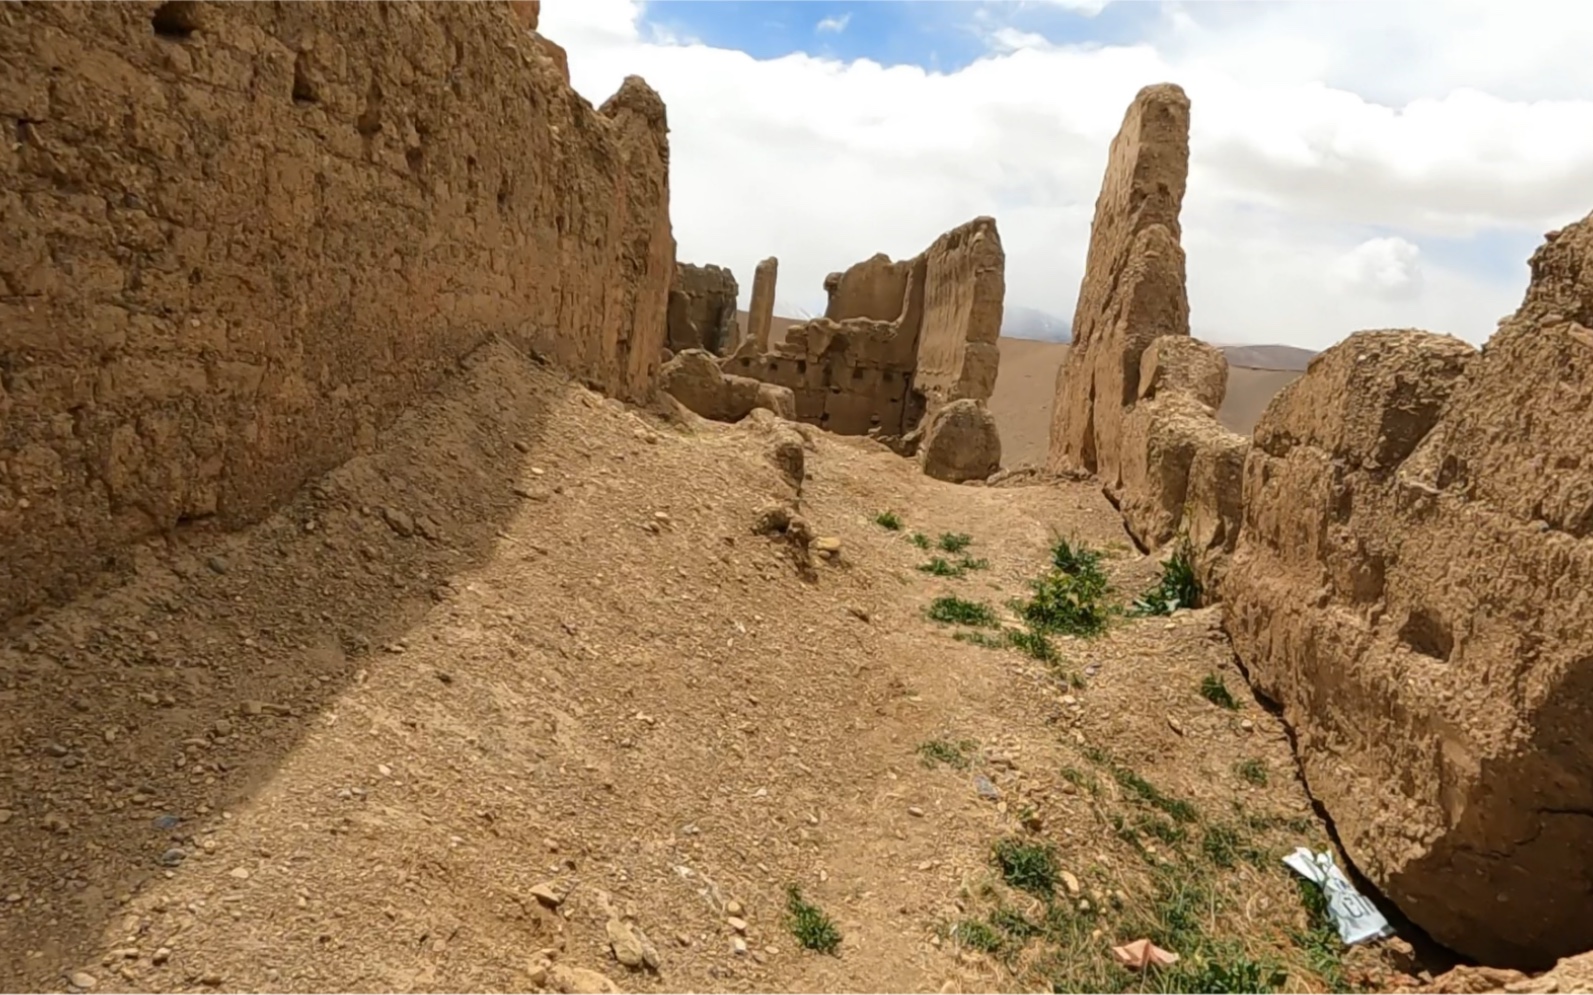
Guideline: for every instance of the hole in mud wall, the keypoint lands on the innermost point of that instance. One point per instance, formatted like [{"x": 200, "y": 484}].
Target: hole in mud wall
[
  {"x": 304, "y": 91},
  {"x": 745, "y": 362},
  {"x": 857, "y": 373},
  {"x": 416, "y": 160},
  {"x": 774, "y": 367},
  {"x": 370, "y": 120},
  {"x": 1427, "y": 634},
  {"x": 176, "y": 19},
  {"x": 802, "y": 366}
]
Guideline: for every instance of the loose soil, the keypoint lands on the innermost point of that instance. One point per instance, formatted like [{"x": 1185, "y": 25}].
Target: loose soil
[{"x": 532, "y": 640}]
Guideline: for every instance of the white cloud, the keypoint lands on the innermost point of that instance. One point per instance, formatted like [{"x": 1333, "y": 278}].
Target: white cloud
[
  {"x": 1308, "y": 202},
  {"x": 1389, "y": 268},
  {"x": 834, "y": 24}
]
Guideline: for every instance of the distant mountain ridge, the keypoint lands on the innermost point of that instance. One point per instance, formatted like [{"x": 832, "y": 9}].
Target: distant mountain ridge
[{"x": 1035, "y": 325}]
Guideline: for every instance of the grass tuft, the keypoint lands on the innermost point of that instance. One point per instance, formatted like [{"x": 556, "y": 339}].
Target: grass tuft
[
  {"x": 1252, "y": 771},
  {"x": 954, "y": 542},
  {"x": 1177, "y": 588},
  {"x": 809, "y": 924},
  {"x": 1215, "y": 691},
  {"x": 1070, "y": 598},
  {"x": 946, "y": 752},
  {"x": 957, "y": 611},
  {"x": 889, "y": 520},
  {"x": 919, "y": 539},
  {"x": 1026, "y": 865}
]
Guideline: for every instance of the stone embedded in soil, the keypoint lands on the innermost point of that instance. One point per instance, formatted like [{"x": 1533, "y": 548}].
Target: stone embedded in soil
[
  {"x": 738, "y": 946},
  {"x": 83, "y": 979},
  {"x": 733, "y": 908},
  {"x": 738, "y": 924},
  {"x": 1070, "y": 881},
  {"x": 549, "y": 893},
  {"x": 627, "y": 946},
  {"x": 579, "y": 981}
]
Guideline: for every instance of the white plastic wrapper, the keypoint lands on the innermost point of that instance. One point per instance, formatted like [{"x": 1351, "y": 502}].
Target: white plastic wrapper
[{"x": 1356, "y": 918}]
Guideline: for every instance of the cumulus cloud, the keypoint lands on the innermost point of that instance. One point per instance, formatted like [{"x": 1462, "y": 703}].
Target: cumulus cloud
[
  {"x": 1308, "y": 195},
  {"x": 1387, "y": 267},
  {"x": 834, "y": 25}
]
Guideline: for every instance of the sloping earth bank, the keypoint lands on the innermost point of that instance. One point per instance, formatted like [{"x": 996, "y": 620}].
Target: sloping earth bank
[{"x": 534, "y": 640}]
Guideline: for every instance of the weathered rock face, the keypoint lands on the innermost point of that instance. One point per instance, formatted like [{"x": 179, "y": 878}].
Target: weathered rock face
[
  {"x": 350, "y": 198},
  {"x": 1413, "y": 583},
  {"x": 760, "y": 313},
  {"x": 964, "y": 288},
  {"x": 694, "y": 379},
  {"x": 702, "y": 309},
  {"x": 913, "y": 335},
  {"x": 1133, "y": 288},
  {"x": 961, "y": 442}
]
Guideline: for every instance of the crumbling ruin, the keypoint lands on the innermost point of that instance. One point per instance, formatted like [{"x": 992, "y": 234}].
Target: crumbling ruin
[
  {"x": 897, "y": 338},
  {"x": 1136, "y": 399},
  {"x": 1402, "y": 554},
  {"x": 350, "y": 198},
  {"x": 760, "y": 314},
  {"x": 702, "y": 309}
]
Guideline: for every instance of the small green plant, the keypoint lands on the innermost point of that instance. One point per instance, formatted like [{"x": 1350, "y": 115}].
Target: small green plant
[
  {"x": 955, "y": 542},
  {"x": 919, "y": 539},
  {"x": 1071, "y": 597},
  {"x": 946, "y": 752},
  {"x": 1320, "y": 940},
  {"x": 976, "y": 935},
  {"x": 1222, "y": 845},
  {"x": 1081, "y": 779},
  {"x": 1215, "y": 691},
  {"x": 1148, "y": 793},
  {"x": 808, "y": 923},
  {"x": 889, "y": 520},
  {"x": 956, "y": 611},
  {"x": 940, "y": 567},
  {"x": 1013, "y": 923},
  {"x": 1178, "y": 587},
  {"x": 1033, "y": 643},
  {"x": 1026, "y": 866},
  {"x": 1252, "y": 771}
]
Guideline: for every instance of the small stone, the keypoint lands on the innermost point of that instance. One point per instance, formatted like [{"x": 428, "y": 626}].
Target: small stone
[
  {"x": 1175, "y": 725},
  {"x": 211, "y": 978},
  {"x": 625, "y": 944},
  {"x": 683, "y": 939},
  {"x": 537, "y": 973},
  {"x": 240, "y": 873},
  {"x": 160, "y": 956},
  {"x": 738, "y": 946},
  {"x": 579, "y": 981},
  {"x": 252, "y": 707},
  {"x": 1246, "y": 725},
  {"x": 549, "y": 893},
  {"x": 733, "y": 908},
  {"x": 829, "y": 546},
  {"x": 399, "y": 521},
  {"x": 174, "y": 856},
  {"x": 858, "y": 613},
  {"x": 14, "y": 897},
  {"x": 5, "y": 816},
  {"x": 217, "y": 564},
  {"x": 915, "y": 811},
  {"x": 736, "y": 923},
  {"x": 83, "y": 979},
  {"x": 223, "y": 727},
  {"x": 1071, "y": 882},
  {"x": 55, "y": 749},
  {"x": 56, "y": 823}
]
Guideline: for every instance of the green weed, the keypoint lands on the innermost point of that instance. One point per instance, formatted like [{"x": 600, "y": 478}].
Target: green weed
[
  {"x": 1178, "y": 587},
  {"x": 809, "y": 924},
  {"x": 889, "y": 520},
  {"x": 946, "y": 752},
  {"x": 919, "y": 539},
  {"x": 1026, "y": 865},
  {"x": 1252, "y": 771},
  {"x": 956, "y": 611},
  {"x": 976, "y": 935},
  {"x": 955, "y": 542},
  {"x": 1215, "y": 691}
]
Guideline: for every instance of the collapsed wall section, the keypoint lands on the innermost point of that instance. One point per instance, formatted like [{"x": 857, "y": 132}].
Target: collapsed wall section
[
  {"x": 237, "y": 239},
  {"x": 702, "y": 309},
  {"x": 964, "y": 290}
]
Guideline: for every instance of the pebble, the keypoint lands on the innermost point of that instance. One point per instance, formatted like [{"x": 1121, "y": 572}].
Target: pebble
[
  {"x": 223, "y": 727},
  {"x": 217, "y": 564},
  {"x": 738, "y": 946},
  {"x": 1071, "y": 882},
  {"x": 1246, "y": 725},
  {"x": 174, "y": 856},
  {"x": 240, "y": 873},
  {"x": 733, "y": 908},
  {"x": 5, "y": 816},
  {"x": 211, "y": 978},
  {"x": 83, "y": 979},
  {"x": 161, "y": 956},
  {"x": 166, "y": 823},
  {"x": 915, "y": 811},
  {"x": 626, "y": 945},
  {"x": 549, "y": 893},
  {"x": 737, "y": 924}
]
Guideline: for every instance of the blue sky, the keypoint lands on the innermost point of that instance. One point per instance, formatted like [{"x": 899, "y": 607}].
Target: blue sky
[{"x": 933, "y": 34}]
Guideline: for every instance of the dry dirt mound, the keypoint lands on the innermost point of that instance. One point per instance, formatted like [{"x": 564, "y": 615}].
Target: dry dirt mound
[{"x": 524, "y": 686}]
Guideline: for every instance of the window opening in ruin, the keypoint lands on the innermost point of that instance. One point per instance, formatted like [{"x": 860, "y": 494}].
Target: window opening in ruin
[
  {"x": 802, "y": 366},
  {"x": 176, "y": 18}
]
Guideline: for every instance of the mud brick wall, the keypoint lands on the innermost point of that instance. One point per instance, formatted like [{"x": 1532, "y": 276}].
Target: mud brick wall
[{"x": 236, "y": 240}]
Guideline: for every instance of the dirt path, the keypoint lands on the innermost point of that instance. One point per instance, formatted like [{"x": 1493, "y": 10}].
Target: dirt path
[{"x": 533, "y": 641}]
